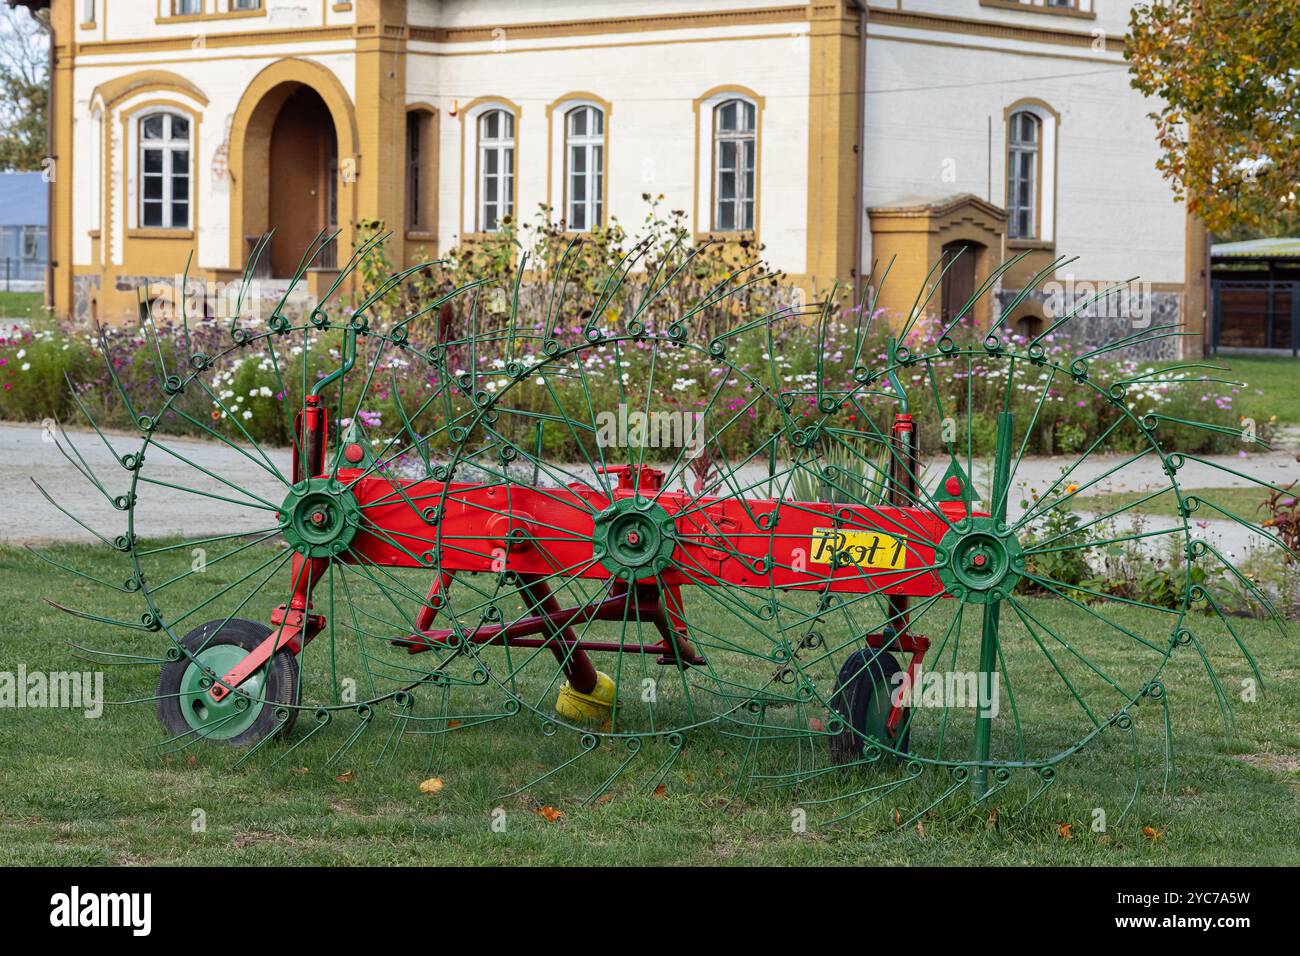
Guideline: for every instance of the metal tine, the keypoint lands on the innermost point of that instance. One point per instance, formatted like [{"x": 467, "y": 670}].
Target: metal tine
[
  {"x": 1143, "y": 335},
  {"x": 79, "y": 463},
  {"x": 1250, "y": 586},
  {"x": 556, "y": 297},
  {"x": 438, "y": 302},
  {"x": 117, "y": 381},
  {"x": 151, "y": 333},
  {"x": 250, "y": 269},
  {"x": 115, "y": 545},
  {"x": 1241, "y": 645},
  {"x": 613, "y": 282},
  {"x": 917, "y": 305},
  {"x": 1029, "y": 287},
  {"x": 128, "y": 658},
  {"x": 387, "y": 286},
  {"x": 275, "y": 732},
  {"x": 317, "y": 315},
  {"x": 1079, "y": 307},
  {"x": 151, "y": 626},
  {"x": 1221, "y": 698},
  {"x": 310, "y": 254},
  {"x": 122, "y": 589},
  {"x": 90, "y": 418},
  {"x": 323, "y": 718}
]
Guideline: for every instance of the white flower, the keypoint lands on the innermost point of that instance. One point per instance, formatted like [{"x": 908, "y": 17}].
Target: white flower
[
  {"x": 21, "y": 353},
  {"x": 248, "y": 413},
  {"x": 26, "y": 365}
]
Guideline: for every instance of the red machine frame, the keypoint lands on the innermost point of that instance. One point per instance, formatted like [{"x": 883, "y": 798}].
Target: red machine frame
[{"x": 493, "y": 535}]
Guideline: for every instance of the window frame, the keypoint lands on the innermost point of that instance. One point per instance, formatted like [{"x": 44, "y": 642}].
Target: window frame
[
  {"x": 594, "y": 150},
  {"x": 1017, "y": 148},
  {"x": 168, "y": 146},
  {"x": 174, "y": 8},
  {"x": 1047, "y": 169},
  {"x": 719, "y": 137},
  {"x": 507, "y": 175}
]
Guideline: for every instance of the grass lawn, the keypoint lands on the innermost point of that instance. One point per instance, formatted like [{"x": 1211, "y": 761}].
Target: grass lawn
[
  {"x": 1271, "y": 387},
  {"x": 20, "y": 305},
  {"x": 81, "y": 791},
  {"x": 1240, "y": 501}
]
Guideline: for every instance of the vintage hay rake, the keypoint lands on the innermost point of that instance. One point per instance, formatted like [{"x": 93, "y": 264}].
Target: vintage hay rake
[{"x": 447, "y": 569}]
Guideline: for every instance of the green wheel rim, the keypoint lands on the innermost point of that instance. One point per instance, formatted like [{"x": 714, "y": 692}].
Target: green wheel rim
[{"x": 234, "y": 714}]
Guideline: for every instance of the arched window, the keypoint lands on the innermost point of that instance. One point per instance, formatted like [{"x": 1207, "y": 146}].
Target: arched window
[
  {"x": 1024, "y": 155},
  {"x": 735, "y": 153},
  {"x": 496, "y": 169},
  {"x": 584, "y": 132},
  {"x": 164, "y": 171}
]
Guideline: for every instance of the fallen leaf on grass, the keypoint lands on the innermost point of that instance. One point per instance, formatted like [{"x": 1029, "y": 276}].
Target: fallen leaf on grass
[
  {"x": 192, "y": 760},
  {"x": 551, "y": 814},
  {"x": 1152, "y": 834},
  {"x": 920, "y": 828},
  {"x": 603, "y": 799},
  {"x": 432, "y": 785},
  {"x": 453, "y": 724},
  {"x": 898, "y": 818},
  {"x": 993, "y": 818},
  {"x": 815, "y": 725},
  {"x": 347, "y": 776},
  {"x": 1065, "y": 830},
  {"x": 299, "y": 770},
  {"x": 661, "y": 791}
]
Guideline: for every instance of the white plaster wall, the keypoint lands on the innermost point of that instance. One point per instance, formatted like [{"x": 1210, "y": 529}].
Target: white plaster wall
[
  {"x": 1108, "y": 15},
  {"x": 927, "y": 125},
  {"x": 651, "y": 81},
  {"x": 476, "y": 13}
]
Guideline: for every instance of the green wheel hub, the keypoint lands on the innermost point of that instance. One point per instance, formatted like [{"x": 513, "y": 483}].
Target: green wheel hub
[
  {"x": 984, "y": 561},
  {"x": 634, "y": 539},
  {"x": 319, "y": 519},
  {"x": 234, "y": 713}
]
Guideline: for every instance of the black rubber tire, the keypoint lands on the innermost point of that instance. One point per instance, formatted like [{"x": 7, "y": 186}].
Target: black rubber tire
[
  {"x": 865, "y": 685},
  {"x": 279, "y": 687}
]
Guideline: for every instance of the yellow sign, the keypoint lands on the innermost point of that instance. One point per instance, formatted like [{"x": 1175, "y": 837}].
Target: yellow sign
[{"x": 866, "y": 549}]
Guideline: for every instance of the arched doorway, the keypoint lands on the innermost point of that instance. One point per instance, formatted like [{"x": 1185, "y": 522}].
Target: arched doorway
[
  {"x": 958, "y": 285},
  {"x": 292, "y": 140},
  {"x": 302, "y": 187}
]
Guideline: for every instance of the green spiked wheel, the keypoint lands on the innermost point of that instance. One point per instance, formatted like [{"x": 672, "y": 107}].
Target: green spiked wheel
[{"x": 670, "y": 516}]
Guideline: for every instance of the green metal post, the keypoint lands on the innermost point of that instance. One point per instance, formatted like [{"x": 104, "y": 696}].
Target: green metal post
[{"x": 989, "y": 641}]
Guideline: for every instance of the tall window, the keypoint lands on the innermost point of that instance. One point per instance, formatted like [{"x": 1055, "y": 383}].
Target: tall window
[
  {"x": 87, "y": 11},
  {"x": 164, "y": 171},
  {"x": 1023, "y": 152},
  {"x": 585, "y": 137},
  {"x": 182, "y": 8},
  {"x": 414, "y": 210},
  {"x": 496, "y": 169},
  {"x": 734, "y": 154}
]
